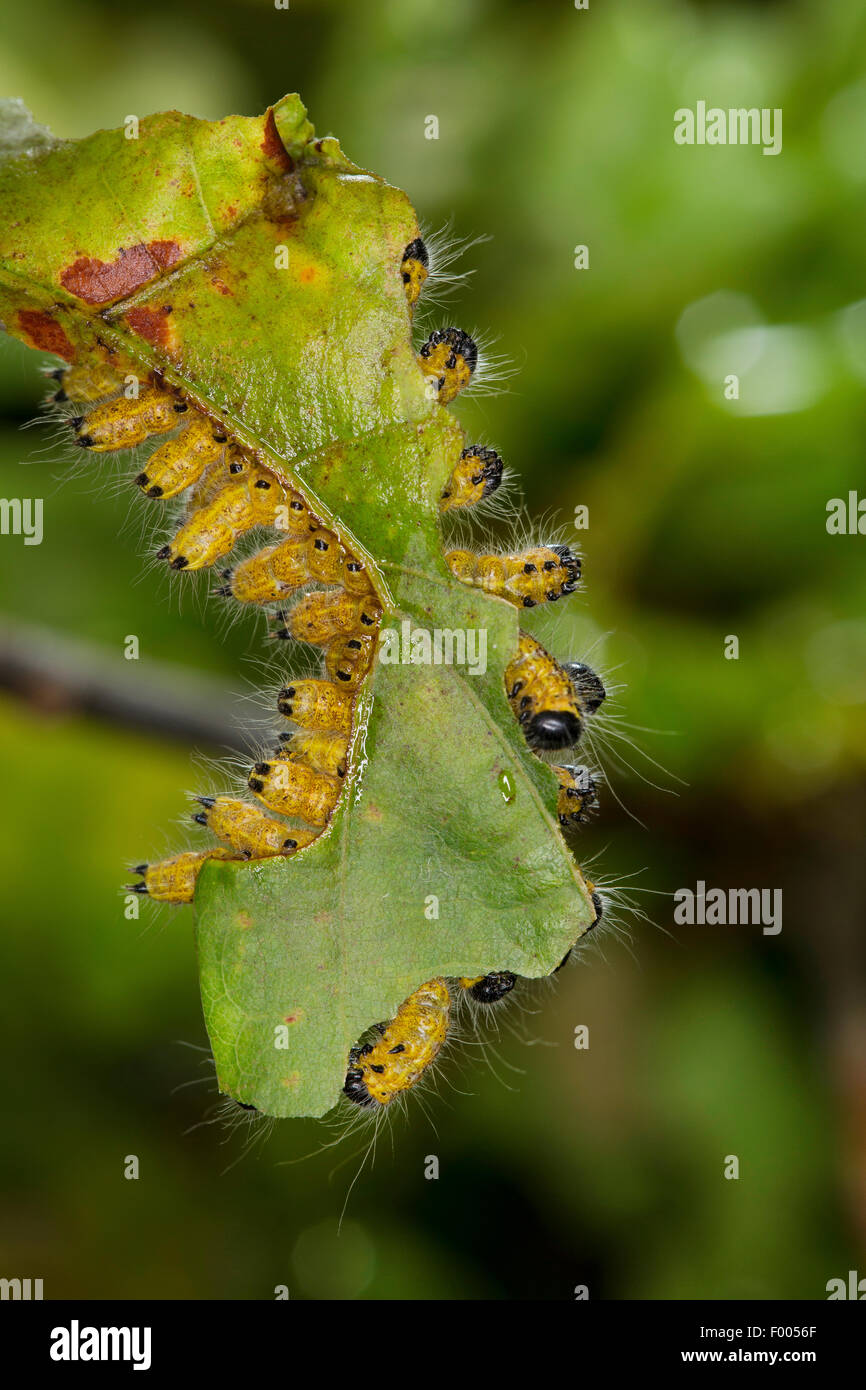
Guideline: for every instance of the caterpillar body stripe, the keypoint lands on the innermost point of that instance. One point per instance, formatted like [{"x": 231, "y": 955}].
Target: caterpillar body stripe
[{"x": 303, "y": 462}]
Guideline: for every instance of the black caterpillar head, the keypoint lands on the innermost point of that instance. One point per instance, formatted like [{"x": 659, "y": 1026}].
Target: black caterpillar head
[
  {"x": 414, "y": 269},
  {"x": 489, "y": 470},
  {"x": 552, "y": 730},
  {"x": 493, "y": 987}
]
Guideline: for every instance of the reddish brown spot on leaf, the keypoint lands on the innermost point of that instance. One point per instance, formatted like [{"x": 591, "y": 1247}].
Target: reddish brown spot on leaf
[
  {"x": 42, "y": 331},
  {"x": 99, "y": 282},
  {"x": 295, "y": 1017},
  {"x": 154, "y": 325},
  {"x": 221, "y": 286},
  {"x": 272, "y": 146}
]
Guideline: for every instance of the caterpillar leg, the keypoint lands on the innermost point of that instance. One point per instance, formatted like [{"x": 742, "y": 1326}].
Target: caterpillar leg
[
  {"x": 448, "y": 358},
  {"x": 121, "y": 424},
  {"x": 477, "y": 475},
  {"x": 489, "y": 989},
  {"x": 404, "y": 1050},
  {"x": 173, "y": 880},
  {"x": 414, "y": 269},
  {"x": 543, "y": 574},
  {"x": 248, "y": 830}
]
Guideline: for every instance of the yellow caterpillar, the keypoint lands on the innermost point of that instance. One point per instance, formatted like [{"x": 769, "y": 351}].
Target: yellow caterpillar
[
  {"x": 414, "y": 269},
  {"x": 577, "y": 795},
  {"x": 293, "y": 789},
  {"x": 320, "y": 617},
  {"x": 542, "y": 574},
  {"x": 180, "y": 462},
  {"x": 448, "y": 358},
  {"x": 249, "y": 496},
  {"x": 123, "y": 423},
  {"x": 323, "y": 752},
  {"x": 348, "y": 659},
  {"x": 173, "y": 880},
  {"x": 317, "y": 704},
  {"x": 408, "y": 1046},
  {"x": 85, "y": 384},
  {"x": 248, "y": 830},
  {"x": 405, "y": 1049},
  {"x": 476, "y": 476},
  {"x": 272, "y": 573},
  {"x": 543, "y": 697}
]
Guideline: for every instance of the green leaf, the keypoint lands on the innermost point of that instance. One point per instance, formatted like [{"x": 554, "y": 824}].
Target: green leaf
[{"x": 444, "y": 856}]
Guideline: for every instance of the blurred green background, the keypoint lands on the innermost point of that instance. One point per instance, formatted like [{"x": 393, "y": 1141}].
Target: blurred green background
[{"x": 707, "y": 518}]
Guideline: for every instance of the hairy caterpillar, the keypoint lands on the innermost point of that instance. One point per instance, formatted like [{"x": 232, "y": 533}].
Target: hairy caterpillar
[{"x": 262, "y": 311}]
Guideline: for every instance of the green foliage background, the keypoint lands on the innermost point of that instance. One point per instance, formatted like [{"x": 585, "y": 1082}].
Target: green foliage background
[{"x": 706, "y": 518}]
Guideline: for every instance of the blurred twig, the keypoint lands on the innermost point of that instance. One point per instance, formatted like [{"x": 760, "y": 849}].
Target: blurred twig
[{"x": 56, "y": 674}]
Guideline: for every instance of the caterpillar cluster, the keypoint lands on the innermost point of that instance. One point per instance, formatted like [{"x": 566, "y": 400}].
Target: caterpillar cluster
[{"x": 294, "y": 792}]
